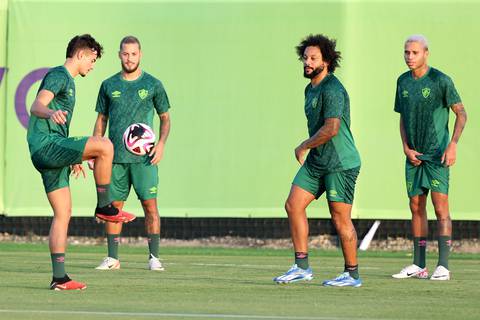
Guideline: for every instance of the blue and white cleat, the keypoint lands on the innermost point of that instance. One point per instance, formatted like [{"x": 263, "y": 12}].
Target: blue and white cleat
[
  {"x": 295, "y": 274},
  {"x": 343, "y": 280}
]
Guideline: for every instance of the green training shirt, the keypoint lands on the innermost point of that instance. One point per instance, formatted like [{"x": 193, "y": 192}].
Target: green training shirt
[
  {"x": 424, "y": 104},
  {"x": 128, "y": 102},
  {"x": 329, "y": 99},
  {"x": 41, "y": 131}
]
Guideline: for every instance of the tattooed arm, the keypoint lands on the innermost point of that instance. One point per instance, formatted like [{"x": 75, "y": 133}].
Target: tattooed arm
[{"x": 450, "y": 154}]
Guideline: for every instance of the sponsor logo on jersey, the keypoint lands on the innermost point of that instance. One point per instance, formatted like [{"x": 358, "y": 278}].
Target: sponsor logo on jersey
[
  {"x": 142, "y": 93},
  {"x": 332, "y": 193},
  {"x": 426, "y": 92},
  {"x": 116, "y": 94},
  {"x": 314, "y": 102},
  {"x": 435, "y": 183},
  {"x": 70, "y": 92},
  {"x": 405, "y": 93},
  {"x": 153, "y": 190}
]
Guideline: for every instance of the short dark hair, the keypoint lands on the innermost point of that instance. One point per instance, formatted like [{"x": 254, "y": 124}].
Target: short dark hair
[
  {"x": 326, "y": 46},
  {"x": 84, "y": 41},
  {"x": 130, "y": 39}
]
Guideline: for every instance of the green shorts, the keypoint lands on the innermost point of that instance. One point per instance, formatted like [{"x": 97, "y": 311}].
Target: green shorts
[
  {"x": 427, "y": 176},
  {"x": 53, "y": 161},
  {"x": 143, "y": 177},
  {"x": 340, "y": 186}
]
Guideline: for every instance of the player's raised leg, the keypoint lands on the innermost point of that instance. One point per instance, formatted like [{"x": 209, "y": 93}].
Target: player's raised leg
[
  {"x": 61, "y": 203},
  {"x": 296, "y": 204},
  {"x": 101, "y": 149}
]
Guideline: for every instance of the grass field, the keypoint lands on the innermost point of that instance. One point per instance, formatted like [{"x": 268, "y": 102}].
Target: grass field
[{"x": 216, "y": 283}]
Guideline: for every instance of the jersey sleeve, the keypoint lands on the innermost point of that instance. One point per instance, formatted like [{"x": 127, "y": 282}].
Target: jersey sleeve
[
  {"x": 102, "y": 100},
  {"x": 160, "y": 99},
  {"x": 54, "y": 82},
  {"x": 398, "y": 105},
  {"x": 451, "y": 95},
  {"x": 333, "y": 103}
]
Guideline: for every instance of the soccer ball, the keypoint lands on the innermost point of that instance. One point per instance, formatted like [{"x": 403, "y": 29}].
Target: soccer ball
[{"x": 139, "y": 139}]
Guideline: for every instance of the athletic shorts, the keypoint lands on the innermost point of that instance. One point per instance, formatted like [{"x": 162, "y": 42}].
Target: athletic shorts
[
  {"x": 54, "y": 159},
  {"x": 142, "y": 176},
  {"x": 340, "y": 186},
  {"x": 427, "y": 176}
]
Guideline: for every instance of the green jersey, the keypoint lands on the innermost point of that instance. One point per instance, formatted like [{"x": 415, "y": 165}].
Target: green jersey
[
  {"x": 329, "y": 99},
  {"x": 41, "y": 131},
  {"x": 424, "y": 104},
  {"x": 128, "y": 102}
]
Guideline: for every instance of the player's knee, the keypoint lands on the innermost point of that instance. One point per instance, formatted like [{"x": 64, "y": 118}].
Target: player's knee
[
  {"x": 289, "y": 207},
  {"x": 107, "y": 146}
]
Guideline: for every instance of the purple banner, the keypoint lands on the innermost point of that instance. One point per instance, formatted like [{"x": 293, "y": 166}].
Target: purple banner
[{"x": 22, "y": 91}]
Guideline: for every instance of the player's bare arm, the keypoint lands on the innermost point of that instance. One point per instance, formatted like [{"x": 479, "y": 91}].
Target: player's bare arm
[
  {"x": 410, "y": 153},
  {"x": 324, "y": 134},
  {"x": 157, "y": 152},
  {"x": 100, "y": 125},
  {"x": 39, "y": 108},
  {"x": 450, "y": 155}
]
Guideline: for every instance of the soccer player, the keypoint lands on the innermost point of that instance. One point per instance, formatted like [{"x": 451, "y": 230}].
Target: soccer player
[
  {"x": 332, "y": 164},
  {"x": 423, "y": 98},
  {"x": 55, "y": 155},
  {"x": 128, "y": 97}
]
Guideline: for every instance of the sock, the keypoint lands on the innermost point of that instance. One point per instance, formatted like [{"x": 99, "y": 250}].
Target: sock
[
  {"x": 112, "y": 242},
  {"x": 58, "y": 264},
  {"x": 419, "y": 251},
  {"x": 154, "y": 244},
  {"x": 444, "y": 244},
  {"x": 103, "y": 195},
  {"x": 301, "y": 260},
  {"x": 352, "y": 270}
]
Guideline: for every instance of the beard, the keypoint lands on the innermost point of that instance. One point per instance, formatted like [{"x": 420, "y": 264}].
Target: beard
[
  {"x": 131, "y": 70},
  {"x": 314, "y": 73}
]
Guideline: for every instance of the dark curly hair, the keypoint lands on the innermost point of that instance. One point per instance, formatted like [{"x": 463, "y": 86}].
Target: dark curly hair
[
  {"x": 326, "y": 46},
  {"x": 84, "y": 41}
]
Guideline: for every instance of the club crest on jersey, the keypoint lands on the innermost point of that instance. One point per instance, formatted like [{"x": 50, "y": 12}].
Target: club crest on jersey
[
  {"x": 142, "y": 93},
  {"x": 314, "y": 102},
  {"x": 116, "y": 94},
  {"x": 426, "y": 92}
]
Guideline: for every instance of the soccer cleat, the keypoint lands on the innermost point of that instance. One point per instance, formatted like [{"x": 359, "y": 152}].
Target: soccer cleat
[
  {"x": 295, "y": 274},
  {"x": 440, "y": 273},
  {"x": 66, "y": 284},
  {"x": 343, "y": 280},
  {"x": 109, "y": 263},
  {"x": 154, "y": 264},
  {"x": 412, "y": 271},
  {"x": 111, "y": 214}
]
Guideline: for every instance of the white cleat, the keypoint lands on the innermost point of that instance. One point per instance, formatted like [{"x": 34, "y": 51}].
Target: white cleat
[
  {"x": 154, "y": 264},
  {"x": 412, "y": 271},
  {"x": 440, "y": 273},
  {"x": 109, "y": 263}
]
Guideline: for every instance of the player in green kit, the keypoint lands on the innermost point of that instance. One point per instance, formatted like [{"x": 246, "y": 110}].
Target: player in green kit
[
  {"x": 332, "y": 164},
  {"x": 128, "y": 97},
  {"x": 424, "y": 96},
  {"x": 55, "y": 155}
]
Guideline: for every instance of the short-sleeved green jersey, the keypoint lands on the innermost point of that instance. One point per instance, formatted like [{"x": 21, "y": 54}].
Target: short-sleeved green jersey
[
  {"x": 128, "y": 102},
  {"x": 40, "y": 131},
  {"x": 329, "y": 99},
  {"x": 424, "y": 104}
]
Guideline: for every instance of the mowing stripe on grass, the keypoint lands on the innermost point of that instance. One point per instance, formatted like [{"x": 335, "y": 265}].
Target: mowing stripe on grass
[{"x": 176, "y": 315}]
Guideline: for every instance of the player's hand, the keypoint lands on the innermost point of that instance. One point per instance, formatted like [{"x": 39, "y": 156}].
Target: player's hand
[
  {"x": 91, "y": 164},
  {"x": 77, "y": 169},
  {"x": 156, "y": 153},
  {"x": 59, "y": 117},
  {"x": 300, "y": 152},
  {"x": 412, "y": 157},
  {"x": 450, "y": 155}
]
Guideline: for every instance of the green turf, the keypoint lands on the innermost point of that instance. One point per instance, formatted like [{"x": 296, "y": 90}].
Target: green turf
[{"x": 204, "y": 282}]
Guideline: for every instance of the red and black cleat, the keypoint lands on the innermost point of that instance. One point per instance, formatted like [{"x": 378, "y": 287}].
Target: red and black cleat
[
  {"x": 109, "y": 213},
  {"x": 66, "y": 284}
]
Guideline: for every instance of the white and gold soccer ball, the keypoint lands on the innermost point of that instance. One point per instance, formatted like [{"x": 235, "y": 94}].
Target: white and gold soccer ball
[{"x": 139, "y": 139}]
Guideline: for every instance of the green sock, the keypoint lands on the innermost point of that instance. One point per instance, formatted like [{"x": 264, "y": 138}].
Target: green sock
[
  {"x": 112, "y": 242},
  {"x": 444, "y": 244},
  {"x": 58, "y": 264},
  {"x": 301, "y": 260},
  {"x": 103, "y": 195},
  {"x": 353, "y": 271},
  {"x": 154, "y": 244},
  {"x": 419, "y": 251}
]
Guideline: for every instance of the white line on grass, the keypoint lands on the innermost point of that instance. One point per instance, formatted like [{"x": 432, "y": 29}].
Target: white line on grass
[{"x": 176, "y": 315}]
